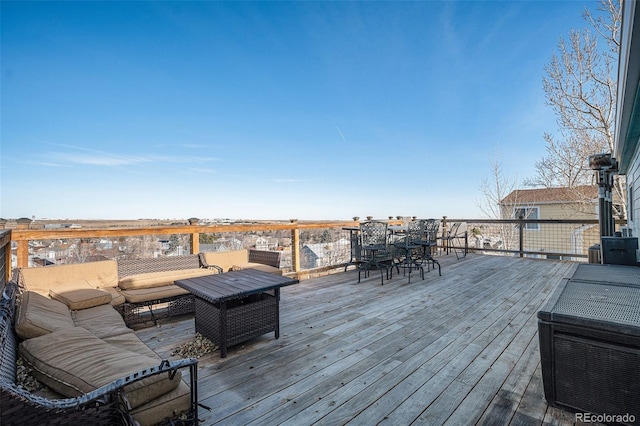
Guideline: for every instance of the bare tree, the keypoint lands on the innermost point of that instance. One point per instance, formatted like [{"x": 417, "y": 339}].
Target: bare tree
[
  {"x": 580, "y": 86},
  {"x": 494, "y": 189}
]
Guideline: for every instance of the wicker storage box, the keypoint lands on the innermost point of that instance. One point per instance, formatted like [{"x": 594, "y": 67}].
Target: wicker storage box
[
  {"x": 245, "y": 318},
  {"x": 590, "y": 348}
]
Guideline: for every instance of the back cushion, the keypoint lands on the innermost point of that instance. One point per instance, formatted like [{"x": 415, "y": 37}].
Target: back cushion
[
  {"x": 77, "y": 295},
  {"x": 39, "y": 315},
  {"x": 159, "y": 279},
  {"x": 226, "y": 259},
  {"x": 98, "y": 274}
]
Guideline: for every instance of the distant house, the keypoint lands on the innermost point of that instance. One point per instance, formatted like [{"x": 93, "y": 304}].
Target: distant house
[
  {"x": 555, "y": 203},
  {"x": 319, "y": 255},
  {"x": 551, "y": 203},
  {"x": 266, "y": 243}
]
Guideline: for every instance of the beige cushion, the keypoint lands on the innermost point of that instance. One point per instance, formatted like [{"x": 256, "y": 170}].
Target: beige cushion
[
  {"x": 39, "y": 315},
  {"x": 73, "y": 362},
  {"x": 79, "y": 295},
  {"x": 103, "y": 321},
  {"x": 148, "y": 294},
  {"x": 159, "y": 279},
  {"x": 130, "y": 342},
  {"x": 226, "y": 259},
  {"x": 171, "y": 405},
  {"x": 258, "y": 266},
  {"x": 98, "y": 274},
  {"x": 116, "y": 297}
]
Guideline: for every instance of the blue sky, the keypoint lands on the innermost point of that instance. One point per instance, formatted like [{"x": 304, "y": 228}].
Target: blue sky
[{"x": 270, "y": 110}]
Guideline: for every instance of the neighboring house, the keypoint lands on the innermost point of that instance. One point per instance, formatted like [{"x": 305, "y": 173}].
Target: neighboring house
[
  {"x": 323, "y": 254},
  {"x": 627, "y": 138},
  {"x": 554, "y": 203},
  {"x": 266, "y": 244}
]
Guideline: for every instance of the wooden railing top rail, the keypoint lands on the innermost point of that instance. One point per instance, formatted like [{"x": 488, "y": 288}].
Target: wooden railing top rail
[{"x": 46, "y": 234}]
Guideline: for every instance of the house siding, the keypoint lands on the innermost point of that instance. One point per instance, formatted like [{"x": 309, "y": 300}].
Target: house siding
[
  {"x": 633, "y": 182},
  {"x": 563, "y": 238},
  {"x": 567, "y": 211}
]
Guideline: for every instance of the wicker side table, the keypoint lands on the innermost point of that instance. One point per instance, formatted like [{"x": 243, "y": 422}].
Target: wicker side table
[
  {"x": 236, "y": 306},
  {"x": 590, "y": 348}
]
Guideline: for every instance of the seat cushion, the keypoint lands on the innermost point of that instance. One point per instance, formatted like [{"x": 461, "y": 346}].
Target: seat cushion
[
  {"x": 73, "y": 362},
  {"x": 102, "y": 321},
  {"x": 142, "y": 295},
  {"x": 159, "y": 279},
  {"x": 38, "y": 315},
  {"x": 171, "y": 405},
  {"x": 79, "y": 295},
  {"x": 258, "y": 266},
  {"x": 116, "y": 297},
  {"x": 130, "y": 342}
]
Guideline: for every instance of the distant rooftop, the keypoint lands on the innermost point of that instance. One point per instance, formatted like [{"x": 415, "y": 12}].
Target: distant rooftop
[{"x": 551, "y": 195}]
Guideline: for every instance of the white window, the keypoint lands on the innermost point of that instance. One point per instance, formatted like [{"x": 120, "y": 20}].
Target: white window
[{"x": 528, "y": 213}]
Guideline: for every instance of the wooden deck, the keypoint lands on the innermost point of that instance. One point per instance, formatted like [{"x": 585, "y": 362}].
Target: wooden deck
[{"x": 453, "y": 350}]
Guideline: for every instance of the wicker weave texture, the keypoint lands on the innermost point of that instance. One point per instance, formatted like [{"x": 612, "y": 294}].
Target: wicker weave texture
[
  {"x": 138, "y": 313},
  {"x": 599, "y": 377},
  {"x": 127, "y": 267},
  {"x": 247, "y": 318},
  {"x": 271, "y": 258}
]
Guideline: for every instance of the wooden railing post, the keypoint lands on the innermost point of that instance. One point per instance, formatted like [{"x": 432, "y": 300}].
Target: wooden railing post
[
  {"x": 195, "y": 236},
  {"x": 5, "y": 243},
  {"x": 22, "y": 252},
  {"x": 295, "y": 247}
]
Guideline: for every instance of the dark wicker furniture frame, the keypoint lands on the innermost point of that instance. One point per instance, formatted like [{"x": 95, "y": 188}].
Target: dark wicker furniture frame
[
  {"x": 590, "y": 342},
  {"x": 104, "y": 406},
  {"x": 236, "y": 306}
]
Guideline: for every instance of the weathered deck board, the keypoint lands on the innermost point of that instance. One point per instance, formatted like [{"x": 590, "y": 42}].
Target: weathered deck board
[{"x": 461, "y": 348}]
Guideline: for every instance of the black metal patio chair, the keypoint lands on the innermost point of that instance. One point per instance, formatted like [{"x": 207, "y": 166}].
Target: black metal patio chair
[
  {"x": 429, "y": 242},
  {"x": 375, "y": 251},
  {"x": 408, "y": 250},
  {"x": 453, "y": 240}
]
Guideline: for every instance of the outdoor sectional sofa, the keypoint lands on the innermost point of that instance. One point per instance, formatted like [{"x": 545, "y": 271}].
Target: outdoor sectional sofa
[
  {"x": 71, "y": 325},
  {"x": 97, "y": 370},
  {"x": 139, "y": 286}
]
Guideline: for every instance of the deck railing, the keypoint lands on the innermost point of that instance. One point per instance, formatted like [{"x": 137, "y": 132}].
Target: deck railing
[
  {"x": 307, "y": 247},
  {"x": 569, "y": 239}
]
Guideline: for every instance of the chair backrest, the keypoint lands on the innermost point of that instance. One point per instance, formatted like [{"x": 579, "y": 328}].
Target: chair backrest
[
  {"x": 373, "y": 233},
  {"x": 415, "y": 231},
  {"x": 454, "y": 229},
  {"x": 431, "y": 229}
]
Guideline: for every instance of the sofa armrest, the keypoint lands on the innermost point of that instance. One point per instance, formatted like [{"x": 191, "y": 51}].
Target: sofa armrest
[
  {"x": 266, "y": 257},
  {"x": 204, "y": 264},
  {"x": 109, "y": 398}
]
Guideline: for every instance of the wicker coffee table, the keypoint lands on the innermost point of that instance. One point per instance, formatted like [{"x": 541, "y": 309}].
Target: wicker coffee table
[{"x": 236, "y": 306}]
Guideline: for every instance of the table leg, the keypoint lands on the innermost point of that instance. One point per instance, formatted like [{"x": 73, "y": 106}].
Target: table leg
[
  {"x": 277, "y": 294},
  {"x": 223, "y": 329}
]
